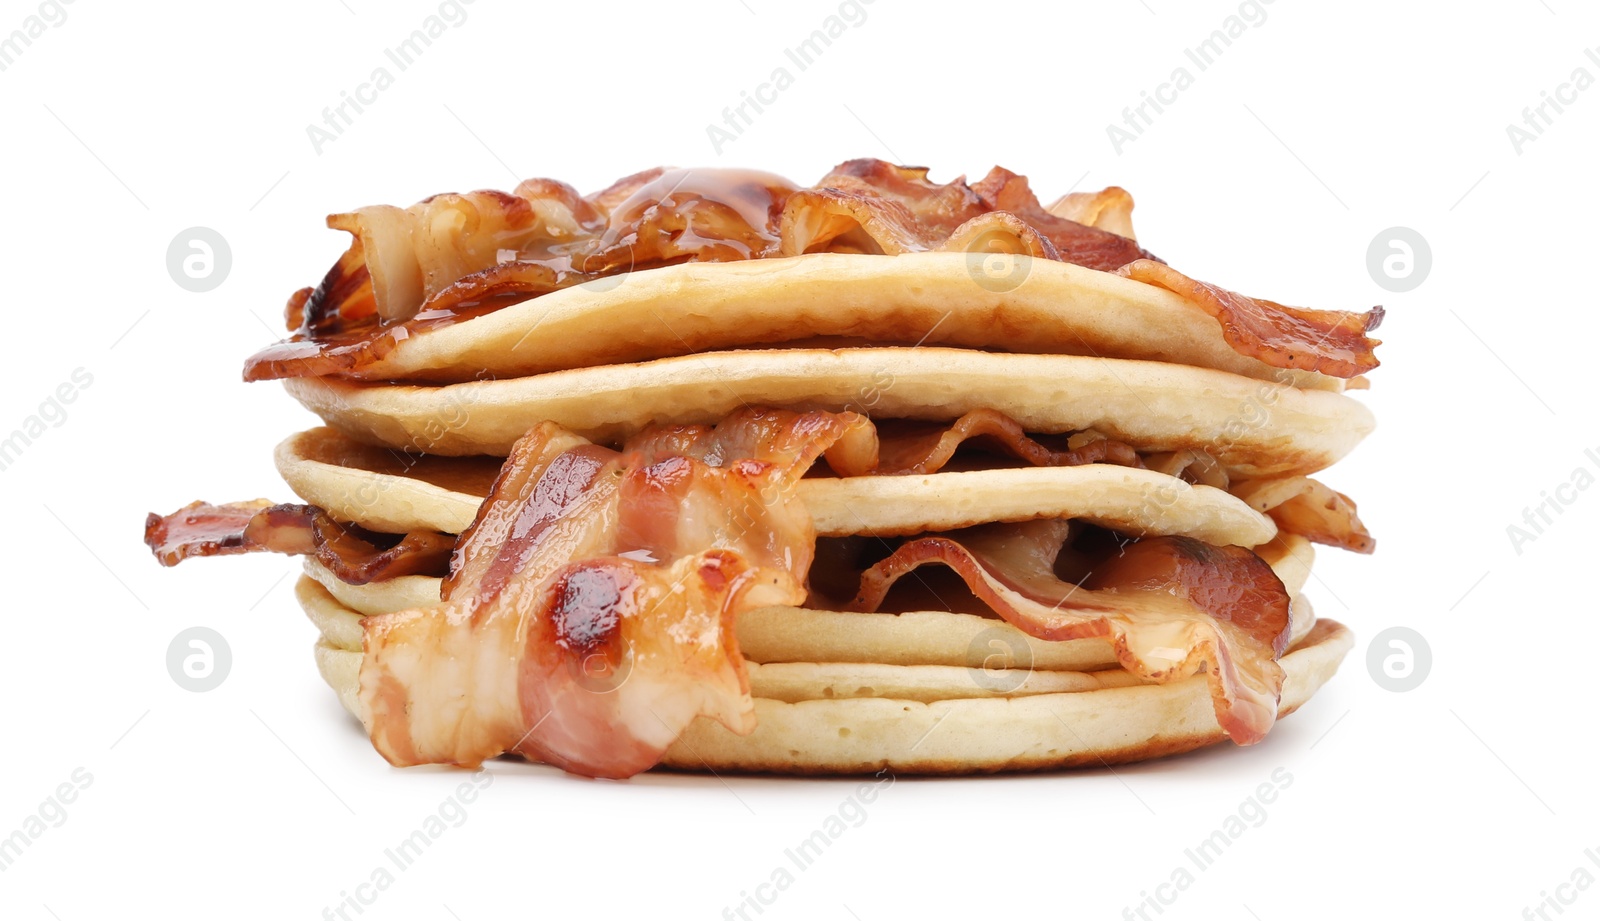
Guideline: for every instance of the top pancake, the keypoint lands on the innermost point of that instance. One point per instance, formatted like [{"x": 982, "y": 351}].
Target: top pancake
[{"x": 971, "y": 300}]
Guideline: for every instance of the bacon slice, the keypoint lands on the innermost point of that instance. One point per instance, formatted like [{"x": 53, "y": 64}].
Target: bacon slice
[
  {"x": 1333, "y": 342},
  {"x": 937, "y": 208},
  {"x": 851, "y": 440},
  {"x": 1110, "y": 209},
  {"x": 200, "y": 529},
  {"x": 354, "y": 554},
  {"x": 1303, "y": 506},
  {"x": 546, "y": 235},
  {"x": 1169, "y": 606},
  {"x": 454, "y": 257},
  {"x": 870, "y": 206},
  {"x": 1080, "y": 244},
  {"x": 922, "y": 447},
  {"x": 1190, "y": 465},
  {"x": 413, "y": 253},
  {"x": 589, "y": 617},
  {"x": 829, "y": 220}
]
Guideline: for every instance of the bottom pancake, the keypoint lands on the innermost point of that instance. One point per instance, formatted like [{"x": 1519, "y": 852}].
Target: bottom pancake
[
  {"x": 930, "y": 719},
  {"x": 992, "y": 734}
]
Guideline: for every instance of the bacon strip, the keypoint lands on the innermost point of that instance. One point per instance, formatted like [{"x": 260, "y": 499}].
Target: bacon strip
[
  {"x": 851, "y": 447},
  {"x": 589, "y": 617},
  {"x": 923, "y": 447},
  {"x": 1080, "y": 244},
  {"x": 453, "y": 257},
  {"x": 1333, "y": 342},
  {"x": 1190, "y": 465},
  {"x": 352, "y": 553},
  {"x": 1110, "y": 209},
  {"x": 1169, "y": 606},
  {"x": 1303, "y": 506},
  {"x": 200, "y": 529},
  {"x": 828, "y": 220}
]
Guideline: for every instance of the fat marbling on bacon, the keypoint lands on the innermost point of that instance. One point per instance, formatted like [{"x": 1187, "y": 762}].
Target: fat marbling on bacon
[
  {"x": 1170, "y": 606},
  {"x": 1333, "y": 342},
  {"x": 352, "y": 553},
  {"x": 452, "y": 257}
]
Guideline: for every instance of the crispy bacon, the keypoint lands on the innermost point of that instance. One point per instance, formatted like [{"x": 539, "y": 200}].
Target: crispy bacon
[
  {"x": 454, "y": 257},
  {"x": 450, "y": 249},
  {"x": 413, "y": 253},
  {"x": 924, "y": 447},
  {"x": 1332, "y": 342},
  {"x": 829, "y": 220},
  {"x": 1169, "y": 605},
  {"x": 1303, "y": 506},
  {"x": 1080, "y": 244},
  {"x": 352, "y": 553},
  {"x": 200, "y": 529},
  {"x": 851, "y": 445},
  {"x": 938, "y": 209},
  {"x": 1190, "y": 465},
  {"x": 589, "y": 617},
  {"x": 1108, "y": 209},
  {"x": 870, "y": 206}
]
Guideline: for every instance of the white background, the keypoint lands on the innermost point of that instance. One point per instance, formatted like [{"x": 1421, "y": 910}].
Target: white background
[{"x": 1317, "y": 129}]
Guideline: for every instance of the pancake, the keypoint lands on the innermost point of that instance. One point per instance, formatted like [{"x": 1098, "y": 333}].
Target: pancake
[
  {"x": 925, "y": 663},
  {"x": 781, "y": 633},
  {"x": 937, "y": 298},
  {"x": 379, "y": 491},
  {"x": 837, "y": 718},
  {"x": 1255, "y": 427},
  {"x": 987, "y": 735}
]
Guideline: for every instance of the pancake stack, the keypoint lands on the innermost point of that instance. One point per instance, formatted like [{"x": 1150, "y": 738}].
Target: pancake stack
[{"x": 711, "y": 471}]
